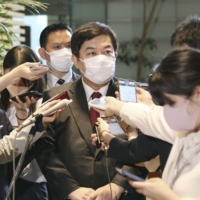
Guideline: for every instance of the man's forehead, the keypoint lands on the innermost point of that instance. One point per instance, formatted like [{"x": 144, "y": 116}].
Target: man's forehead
[
  {"x": 103, "y": 41},
  {"x": 58, "y": 36}
]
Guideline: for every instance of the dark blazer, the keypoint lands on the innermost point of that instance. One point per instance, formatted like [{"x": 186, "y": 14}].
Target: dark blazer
[
  {"x": 4, "y": 176},
  {"x": 76, "y": 162},
  {"x": 141, "y": 149}
]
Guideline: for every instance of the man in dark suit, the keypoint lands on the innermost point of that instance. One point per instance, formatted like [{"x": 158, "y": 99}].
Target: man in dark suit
[
  {"x": 55, "y": 49},
  {"x": 76, "y": 169}
]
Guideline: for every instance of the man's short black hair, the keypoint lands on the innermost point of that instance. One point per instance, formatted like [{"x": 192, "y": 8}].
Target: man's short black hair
[
  {"x": 52, "y": 28},
  {"x": 187, "y": 33},
  {"x": 89, "y": 31}
]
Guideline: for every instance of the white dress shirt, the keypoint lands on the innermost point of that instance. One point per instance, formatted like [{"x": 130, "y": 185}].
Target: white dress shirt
[
  {"x": 89, "y": 91},
  {"x": 52, "y": 80}
]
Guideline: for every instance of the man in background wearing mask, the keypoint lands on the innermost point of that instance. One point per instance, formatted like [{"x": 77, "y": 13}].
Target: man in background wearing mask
[
  {"x": 56, "y": 50},
  {"x": 76, "y": 169}
]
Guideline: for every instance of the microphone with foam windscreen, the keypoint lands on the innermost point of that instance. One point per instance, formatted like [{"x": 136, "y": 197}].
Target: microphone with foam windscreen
[{"x": 61, "y": 104}]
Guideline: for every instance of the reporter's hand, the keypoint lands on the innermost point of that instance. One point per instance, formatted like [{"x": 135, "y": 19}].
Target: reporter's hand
[
  {"x": 102, "y": 125},
  {"x": 144, "y": 97},
  {"x": 104, "y": 131},
  {"x": 20, "y": 105},
  {"x": 22, "y": 109},
  {"x": 46, "y": 120},
  {"x": 155, "y": 188},
  {"x": 23, "y": 71},
  {"x": 117, "y": 95},
  {"x": 81, "y": 193},
  {"x": 105, "y": 194},
  {"x": 94, "y": 139},
  {"x": 113, "y": 106}
]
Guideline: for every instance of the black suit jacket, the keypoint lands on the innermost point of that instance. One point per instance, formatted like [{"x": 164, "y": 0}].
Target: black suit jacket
[
  {"x": 4, "y": 175},
  {"x": 75, "y": 162}
]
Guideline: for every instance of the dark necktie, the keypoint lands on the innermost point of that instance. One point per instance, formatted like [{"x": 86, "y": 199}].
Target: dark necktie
[
  {"x": 60, "y": 81},
  {"x": 93, "y": 113}
]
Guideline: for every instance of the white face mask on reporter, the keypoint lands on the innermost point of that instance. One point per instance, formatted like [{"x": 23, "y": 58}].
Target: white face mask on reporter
[
  {"x": 99, "y": 69},
  {"x": 61, "y": 59}
]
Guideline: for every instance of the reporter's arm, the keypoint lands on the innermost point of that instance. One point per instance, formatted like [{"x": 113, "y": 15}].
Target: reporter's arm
[
  {"x": 150, "y": 120},
  {"x": 22, "y": 71},
  {"x": 14, "y": 140},
  {"x": 17, "y": 140},
  {"x": 138, "y": 150},
  {"x": 120, "y": 181}
]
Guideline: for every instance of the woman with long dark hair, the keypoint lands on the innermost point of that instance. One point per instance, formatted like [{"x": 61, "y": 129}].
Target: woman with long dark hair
[
  {"x": 15, "y": 57},
  {"x": 31, "y": 183}
]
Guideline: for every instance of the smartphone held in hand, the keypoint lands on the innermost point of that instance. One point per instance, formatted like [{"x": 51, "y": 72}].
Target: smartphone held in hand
[
  {"x": 129, "y": 175},
  {"x": 127, "y": 90},
  {"x": 98, "y": 103},
  {"x": 22, "y": 97},
  {"x": 115, "y": 127},
  {"x": 40, "y": 67}
]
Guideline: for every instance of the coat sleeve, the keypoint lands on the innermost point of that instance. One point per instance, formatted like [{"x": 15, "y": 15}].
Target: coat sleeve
[
  {"x": 150, "y": 120},
  {"x": 16, "y": 140},
  {"x": 140, "y": 149}
]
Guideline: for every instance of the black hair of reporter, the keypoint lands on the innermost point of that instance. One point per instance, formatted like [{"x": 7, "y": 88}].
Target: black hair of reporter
[
  {"x": 16, "y": 56},
  {"x": 187, "y": 33},
  {"x": 176, "y": 74}
]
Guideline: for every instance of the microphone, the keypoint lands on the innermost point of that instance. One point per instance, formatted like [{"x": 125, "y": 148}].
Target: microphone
[{"x": 61, "y": 104}]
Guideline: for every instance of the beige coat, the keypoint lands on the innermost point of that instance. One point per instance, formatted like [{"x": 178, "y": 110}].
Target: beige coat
[
  {"x": 182, "y": 171},
  {"x": 16, "y": 140}
]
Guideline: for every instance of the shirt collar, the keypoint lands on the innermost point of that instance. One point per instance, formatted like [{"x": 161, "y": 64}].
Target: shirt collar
[
  {"x": 52, "y": 80},
  {"x": 88, "y": 90}
]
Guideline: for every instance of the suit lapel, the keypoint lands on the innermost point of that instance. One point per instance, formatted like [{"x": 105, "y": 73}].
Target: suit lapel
[{"x": 80, "y": 112}]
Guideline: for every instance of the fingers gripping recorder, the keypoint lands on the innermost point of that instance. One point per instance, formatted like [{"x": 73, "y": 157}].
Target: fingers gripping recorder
[
  {"x": 99, "y": 137},
  {"x": 61, "y": 104}
]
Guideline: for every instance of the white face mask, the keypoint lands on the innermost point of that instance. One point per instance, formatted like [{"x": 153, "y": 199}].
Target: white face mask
[
  {"x": 17, "y": 90},
  {"x": 99, "y": 69},
  {"x": 61, "y": 59}
]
